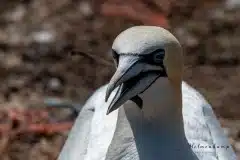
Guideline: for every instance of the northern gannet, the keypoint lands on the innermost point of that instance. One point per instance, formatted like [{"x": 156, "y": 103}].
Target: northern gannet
[{"x": 147, "y": 111}]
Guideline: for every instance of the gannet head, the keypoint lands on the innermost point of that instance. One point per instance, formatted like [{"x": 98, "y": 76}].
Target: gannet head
[{"x": 142, "y": 54}]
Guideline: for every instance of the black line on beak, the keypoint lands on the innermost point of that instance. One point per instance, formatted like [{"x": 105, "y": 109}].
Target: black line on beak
[{"x": 139, "y": 102}]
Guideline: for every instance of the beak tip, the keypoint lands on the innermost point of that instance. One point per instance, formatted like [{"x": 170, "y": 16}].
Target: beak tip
[
  {"x": 108, "y": 111},
  {"x": 111, "y": 108}
]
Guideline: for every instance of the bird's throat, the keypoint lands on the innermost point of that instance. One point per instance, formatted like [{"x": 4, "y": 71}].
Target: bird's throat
[
  {"x": 162, "y": 103},
  {"x": 158, "y": 128}
]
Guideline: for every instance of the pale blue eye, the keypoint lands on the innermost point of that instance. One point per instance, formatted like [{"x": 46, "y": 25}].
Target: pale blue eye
[{"x": 158, "y": 57}]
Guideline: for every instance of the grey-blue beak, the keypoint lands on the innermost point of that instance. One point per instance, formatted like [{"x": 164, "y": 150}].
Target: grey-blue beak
[{"x": 132, "y": 77}]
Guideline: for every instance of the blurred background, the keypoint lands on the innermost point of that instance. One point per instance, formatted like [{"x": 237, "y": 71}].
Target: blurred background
[{"x": 59, "y": 48}]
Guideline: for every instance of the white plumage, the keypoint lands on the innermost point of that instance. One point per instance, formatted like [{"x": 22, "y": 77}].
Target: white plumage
[{"x": 175, "y": 121}]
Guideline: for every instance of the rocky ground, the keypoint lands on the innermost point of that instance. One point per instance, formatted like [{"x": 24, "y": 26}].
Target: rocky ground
[{"x": 60, "y": 48}]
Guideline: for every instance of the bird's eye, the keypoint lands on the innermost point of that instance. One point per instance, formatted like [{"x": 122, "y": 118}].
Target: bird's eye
[{"x": 158, "y": 56}]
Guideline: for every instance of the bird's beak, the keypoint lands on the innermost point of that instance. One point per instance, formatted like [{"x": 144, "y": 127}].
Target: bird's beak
[{"x": 132, "y": 77}]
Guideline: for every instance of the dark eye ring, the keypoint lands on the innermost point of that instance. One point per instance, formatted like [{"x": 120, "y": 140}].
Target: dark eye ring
[{"x": 158, "y": 57}]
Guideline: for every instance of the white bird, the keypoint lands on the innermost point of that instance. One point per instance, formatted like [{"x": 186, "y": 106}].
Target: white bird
[{"x": 150, "y": 113}]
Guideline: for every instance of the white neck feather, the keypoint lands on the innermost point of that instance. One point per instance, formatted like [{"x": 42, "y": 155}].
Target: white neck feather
[{"x": 158, "y": 128}]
